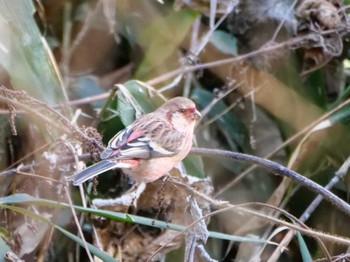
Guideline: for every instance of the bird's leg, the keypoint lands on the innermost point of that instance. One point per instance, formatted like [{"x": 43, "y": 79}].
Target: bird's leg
[{"x": 137, "y": 189}]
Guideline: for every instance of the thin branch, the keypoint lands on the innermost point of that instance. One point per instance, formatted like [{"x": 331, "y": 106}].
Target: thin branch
[
  {"x": 314, "y": 204},
  {"x": 340, "y": 174},
  {"x": 81, "y": 101},
  {"x": 279, "y": 170},
  {"x": 265, "y": 49},
  {"x": 243, "y": 208},
  {"x": 70, "y": 202},
  {"x": 63, "y": 160},
  {"x": 284, "y": 144},
  {"x": 283, "y": 21}
]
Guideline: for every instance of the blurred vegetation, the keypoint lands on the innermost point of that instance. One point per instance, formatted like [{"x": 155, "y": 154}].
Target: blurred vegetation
[{"x": 270, "y": 78}]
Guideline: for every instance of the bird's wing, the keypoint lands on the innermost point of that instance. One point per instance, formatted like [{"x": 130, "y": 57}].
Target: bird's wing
[
  {"x": 144, "y": 140},
  {"x": 118, "y": 141}
]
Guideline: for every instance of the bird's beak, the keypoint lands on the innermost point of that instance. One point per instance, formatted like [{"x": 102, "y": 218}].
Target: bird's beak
[{"x": 196, "y": 115}]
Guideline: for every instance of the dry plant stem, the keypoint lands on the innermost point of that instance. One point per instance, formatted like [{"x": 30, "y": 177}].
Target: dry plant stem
[
  {"x": 34, "y": 112},
  {"x": 188, "y": 78},
  {"x": 340, "y": 174},
  {"x": 242, "y": 208},
  {"x": 212, "y": 103},
  {"x": 79, "y": 38},
  {"x": 301, "y": 223},
  {"x": 63, "y": 160},
  {"x": 224, "y": 112},
  {"x": 311, "y": 208},
  {"x": 88, "y": 100},
  {"x": 278, "y": 29},
  {"x": 109, "y": 99},
  {"x": 171, "y": 85},
  {"x": 213, "y": 5},
  {"x": 77, "y": 223},
  {"x": 340, "y": 258},
  {"x": 67, "y": 32},
  {"x": 224, "y": 204},
  {"x": 277, "y": 169},
  {"x": 37, "y": 176},
  {"x": 278, "y": 251},
  {"x": 284, "y": 144},
  {"x": 286, "y": 44},
  {"x": 61, "y": 123},
  {"x": 70, "y": 202},
  {"x": 212, "y": 201},
  {"x": 28, "y": 155},
  {"x": 85, "y": 199},
  {"x": 206, "y": 38},
  {"x": 82, "y": 101}
]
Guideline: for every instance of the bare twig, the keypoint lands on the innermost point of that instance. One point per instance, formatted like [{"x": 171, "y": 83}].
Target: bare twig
[
  {"x": 82, "y": 101},
  {"x": 311, "y": 208},
  {"x": 284, "y": 144},
  {"x": 280, "y": 170},
  {"x": 244, "y": 208},
  {"x": 265, "y": 49},
  {"x": 51, "y": 117},
  {"x": 70, "y": 202},
  {"x": 315, "y": 203},
  {"x": 278, "y": 29},
  {"x": 63, "y": 160}
]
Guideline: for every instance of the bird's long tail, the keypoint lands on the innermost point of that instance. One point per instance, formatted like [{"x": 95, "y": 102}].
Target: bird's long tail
[{"x": 92, "y": 171}]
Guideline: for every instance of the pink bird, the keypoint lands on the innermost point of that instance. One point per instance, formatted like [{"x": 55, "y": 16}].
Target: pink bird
[{"x": 151, "y": 146}]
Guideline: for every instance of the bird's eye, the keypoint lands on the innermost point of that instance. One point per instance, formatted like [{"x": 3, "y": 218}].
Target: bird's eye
[{"x": 182, "y": 110}]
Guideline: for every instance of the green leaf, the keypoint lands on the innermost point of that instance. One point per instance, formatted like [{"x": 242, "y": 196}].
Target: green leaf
[
  {"x": 230, "y": 125},
  {"x": 94, "y": 250},
  {"x": 141, "y": 93},
  {"x": 4, "y": 248},
  {"x": 315, "y": 89},
  {"x": 27, "y": 199},
  {"x": 305, "y": 254},
  {"x": 134, "y": 99},
  {"x": 25, "y": 54},
  {"x": 341, "y": 115},
  {"x": 194, "y": 166},
  {"x": 162, "y": 38},
  {"x": 224, "y": 42},
  {"x": 233, "y": 130},
  {"x": 4, "y": 232}
]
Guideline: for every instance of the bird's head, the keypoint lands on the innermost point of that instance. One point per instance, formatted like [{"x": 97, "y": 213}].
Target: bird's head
[{"x": 181, "y": 112}]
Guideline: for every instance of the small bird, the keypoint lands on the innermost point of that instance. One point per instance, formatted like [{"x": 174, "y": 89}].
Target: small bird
[{"x": 151, "y": 146}]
